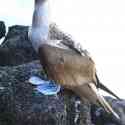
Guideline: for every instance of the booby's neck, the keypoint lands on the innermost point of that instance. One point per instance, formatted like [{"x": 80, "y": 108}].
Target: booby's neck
[
  {"x": 41, "y": 14},
  {"x": 40, "y": 24}
]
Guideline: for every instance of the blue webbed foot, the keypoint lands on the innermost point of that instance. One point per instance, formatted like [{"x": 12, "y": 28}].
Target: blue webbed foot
[{"x": 45, "y": 87}]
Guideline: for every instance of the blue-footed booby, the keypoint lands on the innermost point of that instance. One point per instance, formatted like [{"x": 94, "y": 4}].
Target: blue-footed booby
[{"x": 66, "y": 63}]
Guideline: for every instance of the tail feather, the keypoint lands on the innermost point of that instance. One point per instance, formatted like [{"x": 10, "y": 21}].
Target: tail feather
[
  {"x": 102, "y": 101},
  {"x": 103, "y": 87}
]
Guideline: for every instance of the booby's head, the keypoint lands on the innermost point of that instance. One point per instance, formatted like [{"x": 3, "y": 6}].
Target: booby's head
[{"x": 39, "y": 31}]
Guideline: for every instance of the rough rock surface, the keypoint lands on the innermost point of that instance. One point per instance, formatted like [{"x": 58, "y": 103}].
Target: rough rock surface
[
  {"x": 100, "y": 117},
  {"x": 21, "y": 104},
  {"x": 16, "y": 48},
  {"x": 2, "y": 29}
]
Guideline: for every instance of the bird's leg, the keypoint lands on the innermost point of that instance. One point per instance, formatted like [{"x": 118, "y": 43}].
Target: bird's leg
[{"x": 102, "y": 101}]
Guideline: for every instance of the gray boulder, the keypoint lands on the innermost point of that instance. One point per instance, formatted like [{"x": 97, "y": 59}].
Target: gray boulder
[{"x": 16, "y": 48}]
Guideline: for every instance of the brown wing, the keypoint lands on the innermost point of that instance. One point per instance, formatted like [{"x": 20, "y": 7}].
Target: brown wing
[
  {"x": 67, "y": 40},
  {"x": 66, "y": 66}
]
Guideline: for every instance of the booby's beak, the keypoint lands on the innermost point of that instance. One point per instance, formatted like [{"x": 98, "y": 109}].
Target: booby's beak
[{"x": 102, "y": 101}]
